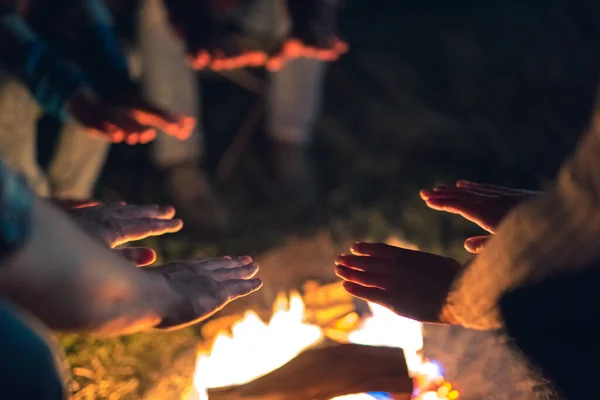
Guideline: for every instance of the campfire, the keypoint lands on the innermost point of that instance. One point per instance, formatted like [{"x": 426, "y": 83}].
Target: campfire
[{"x": 316, "y": 347}]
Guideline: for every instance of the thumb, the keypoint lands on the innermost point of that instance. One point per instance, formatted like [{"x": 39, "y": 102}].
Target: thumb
[
  {"x": 476, "y": 244},
  {"x": 141, "y": 256}
]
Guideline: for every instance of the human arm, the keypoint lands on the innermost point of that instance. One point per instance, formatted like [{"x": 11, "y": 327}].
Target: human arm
[
  {"x": 556, "y": 233},
  {"x": 74, "y": 284},
  {"x": 483, "y": 204}
]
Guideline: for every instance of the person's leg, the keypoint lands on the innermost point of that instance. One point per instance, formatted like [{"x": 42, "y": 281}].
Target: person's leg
[
  {"x": 18, "y": 133},
  {"x": 168, "y": 81},
  {"x": 294, "y": 103},
  {"x": 29, "y": 369},
  {"x": 77, "y": 163}
]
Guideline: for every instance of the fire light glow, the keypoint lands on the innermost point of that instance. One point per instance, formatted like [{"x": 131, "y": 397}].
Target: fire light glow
[{"x": 258, "y": 349}]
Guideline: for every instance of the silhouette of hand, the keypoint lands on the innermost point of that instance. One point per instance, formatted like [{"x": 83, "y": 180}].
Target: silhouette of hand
[
  {"x": 411, "y": 283},
  {"x": 118, "y": 224},
  {"x": 202, "y": 287},
  {"x": 482, "y": 204}
]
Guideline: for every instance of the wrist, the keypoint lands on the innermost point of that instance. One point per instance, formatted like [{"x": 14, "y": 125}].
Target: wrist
[{"x": 159, "y": 296}]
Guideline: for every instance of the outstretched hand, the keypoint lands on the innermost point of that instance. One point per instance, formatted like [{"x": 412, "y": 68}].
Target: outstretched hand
[
  {"x": 202, "y": 287},
  {"x": 293, "y": 48},
  {"x": 411, "y": 283},
  {"x": 118, "y": 224},
  {"x": 130, "y": 119},
  {"x": 482, "y": 204}
]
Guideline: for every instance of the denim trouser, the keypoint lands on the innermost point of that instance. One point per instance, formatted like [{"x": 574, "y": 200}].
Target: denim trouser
[
  {"x": 294, "y": 93},
  {"x": 28, "y": 367},
  {"x": 77, "y": 160}
]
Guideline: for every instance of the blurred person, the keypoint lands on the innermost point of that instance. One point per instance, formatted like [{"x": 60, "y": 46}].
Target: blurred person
[
  {"x": 535, "y": 278},
  {"x": 52, "y": 270},
  {"x": 95, "y": 98},
  {"x": 212, "y": 29},
  {"x": 293, "y": 96}
]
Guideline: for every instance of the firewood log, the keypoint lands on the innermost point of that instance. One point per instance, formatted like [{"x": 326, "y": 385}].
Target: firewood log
[{"x": 327, "y": 372}]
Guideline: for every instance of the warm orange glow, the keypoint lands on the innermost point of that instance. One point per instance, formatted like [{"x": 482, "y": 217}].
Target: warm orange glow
[{"x": 256, "y": 348}]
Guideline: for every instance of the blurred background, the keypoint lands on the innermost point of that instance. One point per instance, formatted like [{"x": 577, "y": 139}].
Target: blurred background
[{"x": 430, "y": 91}]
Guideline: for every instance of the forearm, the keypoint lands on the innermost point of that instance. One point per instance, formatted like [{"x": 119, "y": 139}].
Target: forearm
[
  {"x": 107, "y": 297},
  {"x": 556, "y": 233},
  {"x": 51, "y": 80}
]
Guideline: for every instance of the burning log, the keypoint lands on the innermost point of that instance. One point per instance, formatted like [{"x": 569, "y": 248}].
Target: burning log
[{"x": 327, "y": 372}]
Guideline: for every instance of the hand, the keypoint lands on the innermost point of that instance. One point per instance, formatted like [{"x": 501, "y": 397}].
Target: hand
[
  {"x": 224, "y": 60},
  {"x": 73, "y": 284},
  {"x": 411, "y": 283},
  {"x": 172, "y": 123},
  {"x": 203, "y": 287},
  {"x": 118, "y": 224},
  {"x": 482, "y": 204},
  {"x": 330, "y": 50},
  {"x": 105, "y": 121},
  {"x": 131, "y": 119},
  {"x": 314, "y": 33}
]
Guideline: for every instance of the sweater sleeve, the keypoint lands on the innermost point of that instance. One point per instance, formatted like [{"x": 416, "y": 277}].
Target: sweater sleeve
[{"x": 557, "y": 233}]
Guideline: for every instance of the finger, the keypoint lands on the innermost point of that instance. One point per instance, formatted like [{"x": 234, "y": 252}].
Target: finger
[
  {"x": 148, "y": 136},
  {"x": 141, "y": 256},
  {"x": 380, "y": 250},
  {"x": 373, "y": 295},
  {"x": 468, "y": 208},
  {"x": 236, "y": 288},
  {"x": 340, "y": 46},
  {"x": 452, "y": 193},
  {"x": 200, "y": 61},
  {"x": 131, "y": 128},
  {"x": 275, "y": 63},
  {"x": 293, "y": 48},
  {"x": 366, "y": 264},
  {"x": 70, "y": 204},
  {"x": 476, "y": 244},
  {"x": 123, "y": 231},
  {"x": 134, "y": 212},
  {"x": 212, "y": 264},
  {"x": 389, "y": 258},
  {"x": 256, "y": 58},
  {"x": 361, "y": 278},
  {"x": 244, "y": 272},
  {"x": 465, "y": 208},
  {"x": 132, "y": 139},
  {"x": 148, "y": 115},
  {"x": 495, "y": 189}
]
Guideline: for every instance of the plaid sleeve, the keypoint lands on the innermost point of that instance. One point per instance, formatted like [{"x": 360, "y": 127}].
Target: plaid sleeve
[
  {"x": 556, "y": 233},
  {"x": 16, "y": 201}
]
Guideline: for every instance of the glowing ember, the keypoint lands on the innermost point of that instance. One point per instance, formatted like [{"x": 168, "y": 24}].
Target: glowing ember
[{"x": 255, "y": 349}]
